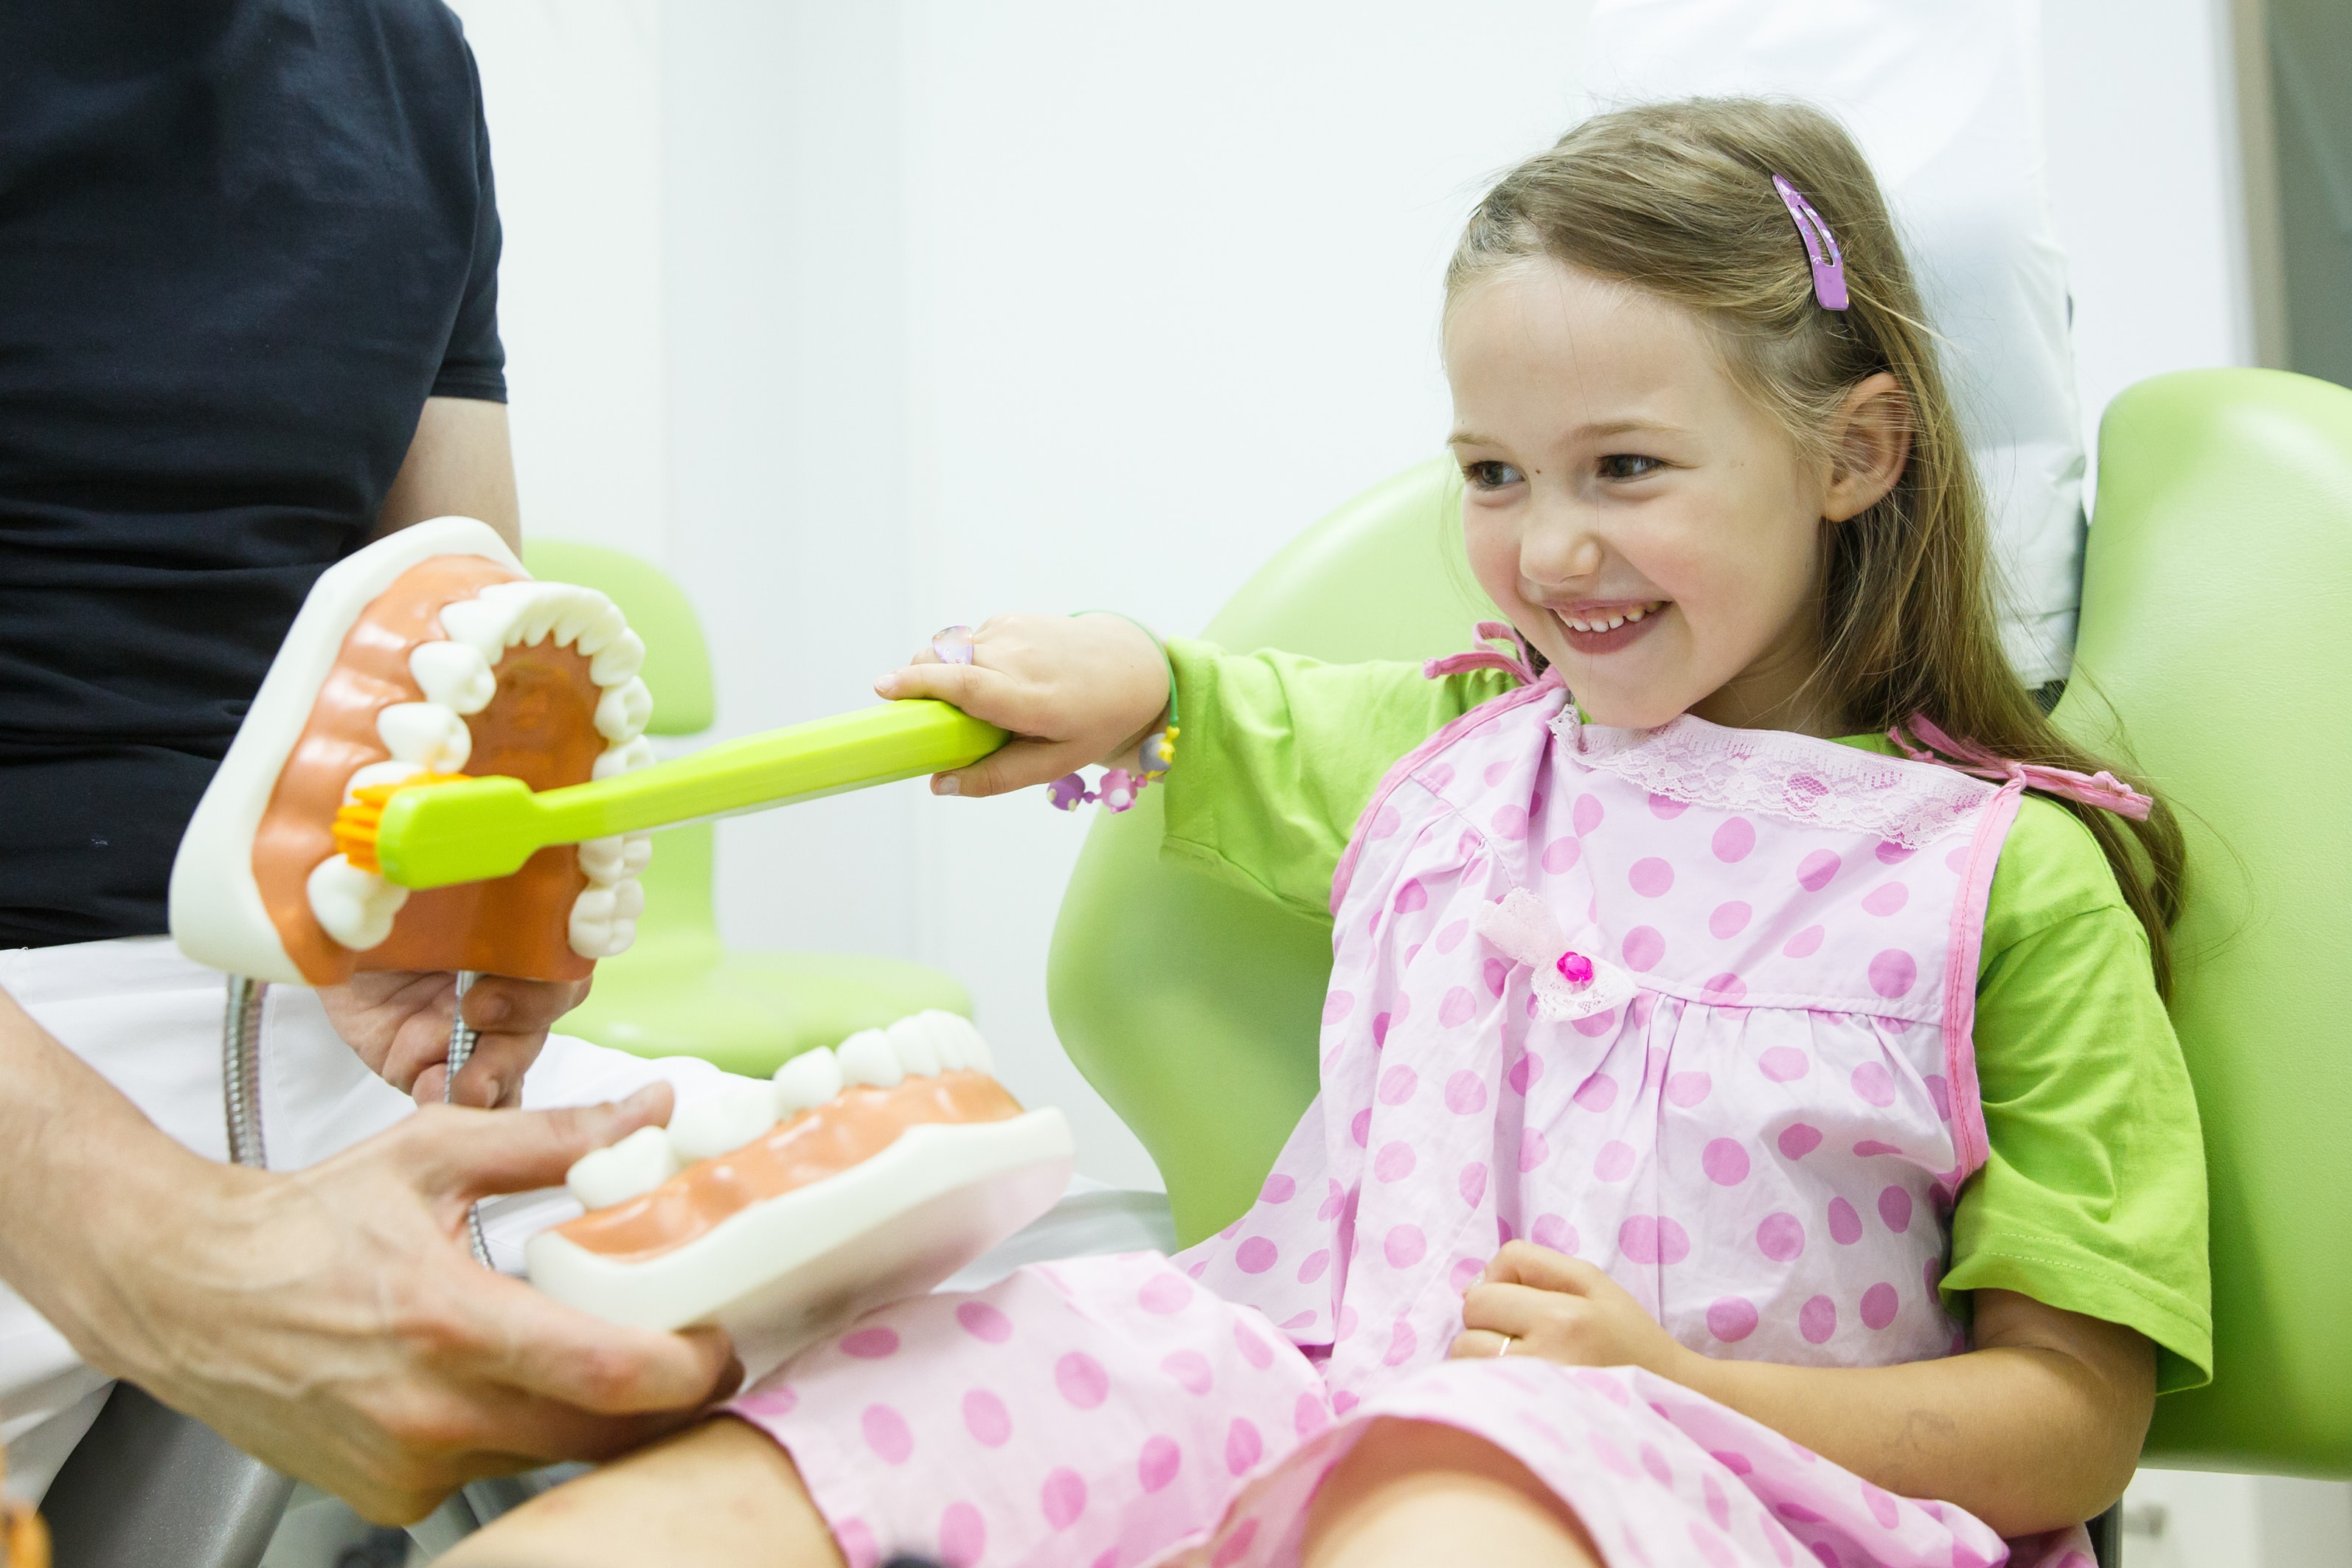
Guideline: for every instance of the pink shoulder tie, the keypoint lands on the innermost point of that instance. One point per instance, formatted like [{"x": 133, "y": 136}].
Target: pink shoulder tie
[
  {"x": 2101, "y": 789},
  {"x": 1523, "y": 666}
]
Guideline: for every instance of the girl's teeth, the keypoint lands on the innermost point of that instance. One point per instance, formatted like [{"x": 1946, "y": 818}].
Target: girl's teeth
[{"x": 1614, "y": 619}]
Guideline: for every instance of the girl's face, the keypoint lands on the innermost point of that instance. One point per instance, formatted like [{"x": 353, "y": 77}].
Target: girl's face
[{"x": 1639, "y": 519}]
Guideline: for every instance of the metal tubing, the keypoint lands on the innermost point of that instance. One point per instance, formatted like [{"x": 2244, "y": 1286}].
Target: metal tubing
[
  {"x": 241, "y": 1070},
  {"x": 461, "y": 1046}
]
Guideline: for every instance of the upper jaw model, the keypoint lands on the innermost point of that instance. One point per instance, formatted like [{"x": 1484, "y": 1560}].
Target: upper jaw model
[{"x": 430, "y": 654}]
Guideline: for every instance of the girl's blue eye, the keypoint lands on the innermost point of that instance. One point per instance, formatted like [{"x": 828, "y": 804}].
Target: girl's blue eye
[
  {"x": 1490, "y": 475},
  {"x": 1628, "y": 466}
]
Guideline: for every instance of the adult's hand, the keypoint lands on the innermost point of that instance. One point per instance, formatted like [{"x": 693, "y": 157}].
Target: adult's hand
[
  {"x": 398, "y": 1022},
  {"x": 331, "y": 1322},
  {"x": 1074, "y": 690}
]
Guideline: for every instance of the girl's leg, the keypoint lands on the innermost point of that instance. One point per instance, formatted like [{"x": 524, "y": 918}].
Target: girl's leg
[
  {"x": 720, "y": 1494},
  {"x": 1415, "y": 1492}
]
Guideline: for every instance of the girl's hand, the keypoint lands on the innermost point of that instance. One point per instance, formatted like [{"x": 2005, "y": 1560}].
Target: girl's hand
[
  {"x": 1074, "y": 690},
  {"x": 1563, "y": 1310}
]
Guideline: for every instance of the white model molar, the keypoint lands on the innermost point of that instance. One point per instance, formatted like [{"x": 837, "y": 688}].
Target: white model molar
[
  {"x": 376, "y": 775},
  {"x": 867, "y": 1058},
  {"x": 621, "y": 712},
  {"x": 354, "y": 907},
  {"x": 428, "y": 734},
  {"x": 619, "y": 1172},
  {"x": 619, "y": 660},
  {"x": 604, "y": 919},
  {"x": 911, "y": 1038},
  {"x": 625, "y": 758},
  {"x": 958, "y": 1040},
  {"x": 810, "y": 1079},
  {"x": 453, "y": 674},
  {"x": 607, "y": 860},
  {"x": 704, "y": 1129}
]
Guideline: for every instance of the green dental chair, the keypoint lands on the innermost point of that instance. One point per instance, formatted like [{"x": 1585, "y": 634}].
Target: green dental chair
[
  {"x": 680, "y": 990},
  {"x": 2215, "y": 634}
]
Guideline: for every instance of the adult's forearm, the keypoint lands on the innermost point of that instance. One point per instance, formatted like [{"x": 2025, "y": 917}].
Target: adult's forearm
[
  {"x": 83, "y": 1170},
  {"x": 460, "y": 462},
  {"x": 2026, "y": 1438}
]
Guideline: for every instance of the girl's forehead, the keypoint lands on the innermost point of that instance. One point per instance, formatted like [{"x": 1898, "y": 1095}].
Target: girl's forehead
[{"x": 1541, "y": 347}]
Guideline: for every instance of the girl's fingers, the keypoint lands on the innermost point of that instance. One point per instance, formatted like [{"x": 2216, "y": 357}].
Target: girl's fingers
[
  {"x": 979, "y": 692},
  {"x": 1014, "y": 766},
  {"x": 1515, "y": 1309},
  {"x": 1474, "y": 1343},
  {"x": 1524, "y": 1263}
]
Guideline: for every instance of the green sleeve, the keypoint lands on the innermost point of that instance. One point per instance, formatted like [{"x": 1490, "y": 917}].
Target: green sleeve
[
  {"x": 2093, "y": 1198},
  {"x": 1278, "y": 755}
]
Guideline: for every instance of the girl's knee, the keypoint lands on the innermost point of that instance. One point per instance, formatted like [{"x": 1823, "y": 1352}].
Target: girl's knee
[{"x": 1409, "y": 1491}]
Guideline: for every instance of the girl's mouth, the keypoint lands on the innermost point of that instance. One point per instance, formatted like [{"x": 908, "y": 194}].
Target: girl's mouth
[{"x": 1605, "y": 628}]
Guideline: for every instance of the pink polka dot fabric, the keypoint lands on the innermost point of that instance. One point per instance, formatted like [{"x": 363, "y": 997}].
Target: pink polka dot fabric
[{"x": 1762, "y": 1146}]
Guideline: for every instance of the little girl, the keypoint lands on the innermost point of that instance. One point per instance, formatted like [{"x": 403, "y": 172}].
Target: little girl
[{"x": 1750, "y": 1129}]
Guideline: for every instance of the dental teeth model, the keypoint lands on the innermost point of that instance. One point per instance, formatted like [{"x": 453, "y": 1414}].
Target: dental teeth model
[
  {"x": 863, "y": 1173},
  {"x": 430, "y": 655}
]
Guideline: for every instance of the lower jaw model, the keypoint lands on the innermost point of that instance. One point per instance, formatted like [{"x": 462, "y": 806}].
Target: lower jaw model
[{"x": 780, "y": 1211}]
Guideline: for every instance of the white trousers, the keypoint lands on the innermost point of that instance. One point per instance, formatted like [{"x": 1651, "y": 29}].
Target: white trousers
[{"x": 149, "y": 1021}]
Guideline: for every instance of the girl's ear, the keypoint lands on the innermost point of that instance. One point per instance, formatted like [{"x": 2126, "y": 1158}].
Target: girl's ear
[{"x": 1869, "y": 443}]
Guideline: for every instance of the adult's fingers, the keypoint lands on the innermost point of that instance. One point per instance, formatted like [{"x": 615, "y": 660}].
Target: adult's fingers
[
  {"x": 520, "y": 1006},
  {"x": 537, "y": 1345},
  {"x": 464, "y": 1155},
  {"x": 1016, "y": 765},
  {"x": 492, "y": 1075}
]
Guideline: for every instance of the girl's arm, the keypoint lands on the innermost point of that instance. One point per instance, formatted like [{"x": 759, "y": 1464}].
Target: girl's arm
[{"x": 2039, "y": 1428}]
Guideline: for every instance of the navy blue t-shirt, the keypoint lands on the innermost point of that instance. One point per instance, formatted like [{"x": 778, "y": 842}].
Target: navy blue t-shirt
[{"x": 241, "y": 241}]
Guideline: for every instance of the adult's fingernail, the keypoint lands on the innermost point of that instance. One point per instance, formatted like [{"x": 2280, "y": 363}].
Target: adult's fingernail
[
  {"x": 483, "y": 1010},
  {"x": 492, "y": 1092},
  {"x": 946, "y": 783}
]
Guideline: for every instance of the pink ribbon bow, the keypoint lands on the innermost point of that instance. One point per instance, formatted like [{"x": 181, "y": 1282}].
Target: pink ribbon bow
[
  {"x": 1568, "y": 983},
  {"x": 1523, "y": 666},
  {"x": 2101, "y": 789}
]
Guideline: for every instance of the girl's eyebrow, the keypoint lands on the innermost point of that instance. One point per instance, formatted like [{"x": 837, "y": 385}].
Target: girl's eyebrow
[{"x": 1598, "y": 430}]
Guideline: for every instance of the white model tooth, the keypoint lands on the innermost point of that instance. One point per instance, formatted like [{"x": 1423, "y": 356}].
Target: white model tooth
[
  {"x": 621, "y": 712},
  {"x": 867, "y": 1058},
  {"x": 947, "y": 1042},
  {"x": 810, "y": 1079},
  {"x": 618, "y": 659},
  {"x": 910, "y": 1037},
  {"x": 485, "y": 624},
  {"x": 976, "y": 1055},
  {"x": 636, "y": 853},
  {"x": 589, "y": 622},
  {"x": 626, "y": 757},
  {"x": 619, "y": 1172},
  {"x": 354, "y": 907},
  {"x": 601, "y": 859},
  {"x": 425, "y": 733},
  {"x": 592, "y": 918},
  {"x": 728, "y": 1119},
  {"x": 453, "y": 674},
  {"x": 628, "y": 900},
  {"x": 375, "y": 774}
]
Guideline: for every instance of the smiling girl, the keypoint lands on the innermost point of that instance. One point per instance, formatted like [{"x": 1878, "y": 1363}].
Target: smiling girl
[{"x": 1750, "y": 1129}]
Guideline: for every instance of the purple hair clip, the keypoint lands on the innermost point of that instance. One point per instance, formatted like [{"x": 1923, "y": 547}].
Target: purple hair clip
[{"x": 1821, "y": 247}]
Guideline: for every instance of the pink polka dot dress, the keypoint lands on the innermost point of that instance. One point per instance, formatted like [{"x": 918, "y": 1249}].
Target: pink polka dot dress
[{"x": 1762, "y": 1141}]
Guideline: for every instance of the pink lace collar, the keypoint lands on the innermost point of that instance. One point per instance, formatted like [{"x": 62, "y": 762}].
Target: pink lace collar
[{"x": 1816, "y": 783}]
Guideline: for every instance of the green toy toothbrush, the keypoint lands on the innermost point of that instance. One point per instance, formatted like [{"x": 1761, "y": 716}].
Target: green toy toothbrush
[{"x": 473, "y": 829}]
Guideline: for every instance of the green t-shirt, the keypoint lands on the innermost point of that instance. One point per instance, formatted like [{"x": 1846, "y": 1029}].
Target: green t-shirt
[{"x": 2092, "y": 1197}]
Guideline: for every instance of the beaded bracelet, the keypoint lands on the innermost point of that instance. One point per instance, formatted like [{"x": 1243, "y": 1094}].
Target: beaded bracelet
[{"x": 1119, "y": 787}]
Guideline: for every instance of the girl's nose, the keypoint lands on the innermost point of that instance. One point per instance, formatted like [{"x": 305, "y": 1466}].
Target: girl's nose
[{"x": 1560, "y": 549}]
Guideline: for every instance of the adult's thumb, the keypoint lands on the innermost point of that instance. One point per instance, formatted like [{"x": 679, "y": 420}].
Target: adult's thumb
[{"x": 475, "y": 1154}]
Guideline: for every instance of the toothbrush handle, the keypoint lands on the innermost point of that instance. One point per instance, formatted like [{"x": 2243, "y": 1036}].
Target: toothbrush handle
[{"x": 804, "y": 761}]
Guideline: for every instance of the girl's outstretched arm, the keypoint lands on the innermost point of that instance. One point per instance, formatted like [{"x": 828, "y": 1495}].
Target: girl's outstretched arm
[{"x": 2037, "y": 1428}]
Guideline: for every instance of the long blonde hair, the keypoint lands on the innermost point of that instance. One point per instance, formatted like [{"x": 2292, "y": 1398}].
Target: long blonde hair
[{"x": 1677, "y": 199}]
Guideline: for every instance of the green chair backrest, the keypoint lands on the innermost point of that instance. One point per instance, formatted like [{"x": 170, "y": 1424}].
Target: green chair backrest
[
  {"x": 677, "y": 662},
  {"x": 2217, "y": 632},
  {"x": 679, "y": 926},
  {"x": 1163, "y": 980},
  {"x": 2220, "y": 582}
]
